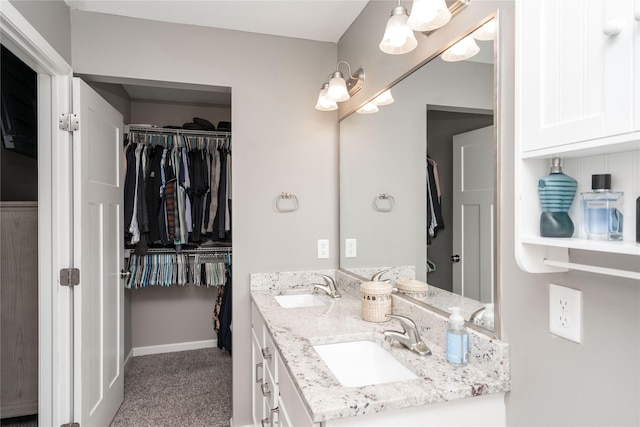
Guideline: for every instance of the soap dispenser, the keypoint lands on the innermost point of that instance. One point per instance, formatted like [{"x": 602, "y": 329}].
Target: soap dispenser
[{"x": 457, "y": 338}]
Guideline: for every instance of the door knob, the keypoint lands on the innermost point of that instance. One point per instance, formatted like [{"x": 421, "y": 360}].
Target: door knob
[
  {"x": 612, "y": 28},
  {"x": 455, "y": 258}
]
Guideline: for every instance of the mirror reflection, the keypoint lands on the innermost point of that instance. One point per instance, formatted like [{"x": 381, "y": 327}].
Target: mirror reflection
[{"x": 417, "y": 186}]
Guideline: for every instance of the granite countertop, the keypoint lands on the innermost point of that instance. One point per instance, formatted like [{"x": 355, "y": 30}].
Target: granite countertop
[{"x": 296, "y": 330}]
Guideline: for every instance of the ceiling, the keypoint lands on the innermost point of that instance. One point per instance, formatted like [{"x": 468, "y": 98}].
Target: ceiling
[{"x": 320, "y": 20}]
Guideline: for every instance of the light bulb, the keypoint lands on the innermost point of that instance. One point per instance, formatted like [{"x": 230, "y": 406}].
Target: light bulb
[
  {"x": 368, "y": 108},
  {"x": 464, "y": 49},
  {"x": 398, "y": 37},
  {"x": 337, "y": 88},
  {"x": 428, "y": 15},
  {"x": 385, "y": 98}
]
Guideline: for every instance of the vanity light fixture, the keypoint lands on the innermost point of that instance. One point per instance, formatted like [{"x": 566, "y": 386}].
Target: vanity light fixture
[
  {"x": 486, "y": 31},
  {"x": 385, "y": 98},
  {"x": 463, "y": 49},
  {"x": 368, "y": 108},
  {"x": 324, "y": 103},
  {"x": 338, "y": 89},
  {"x": 398, "y": 37},
  {"x": 428, "y": 15}
]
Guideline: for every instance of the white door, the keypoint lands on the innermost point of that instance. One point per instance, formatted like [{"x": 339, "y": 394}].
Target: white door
[
  {"x": 98, "y": 252},
  {"x": 473, "y": 212}
]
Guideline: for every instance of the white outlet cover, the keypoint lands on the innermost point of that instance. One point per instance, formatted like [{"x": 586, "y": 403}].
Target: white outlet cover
[
  {"x": 565, "y": 312},
  {"x": 323, "y": 248},
  {"x": 350, "y": 248}
]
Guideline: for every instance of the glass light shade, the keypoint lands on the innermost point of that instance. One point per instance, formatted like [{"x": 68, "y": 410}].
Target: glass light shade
[
  {"x": 428, "y": 15},
  {"x": 486, "y": 32},
  {"x": 398, "y": 37},
  {"x": 324, "y": 103},
  {"x": 464, "y": 49},
  {"x": 385, "y": 98},
  {"x": 368, "y": 108},
  {"x": 337, "y": 88}
]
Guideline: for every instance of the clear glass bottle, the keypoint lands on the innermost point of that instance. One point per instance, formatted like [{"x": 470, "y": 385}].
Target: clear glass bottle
[
  {"x": 556, "y": 192},
  {"x": 602, "y": 210}
]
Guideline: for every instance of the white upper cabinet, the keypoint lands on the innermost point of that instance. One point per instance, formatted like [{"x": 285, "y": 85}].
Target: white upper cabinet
[{"x": 578, "y": 64}]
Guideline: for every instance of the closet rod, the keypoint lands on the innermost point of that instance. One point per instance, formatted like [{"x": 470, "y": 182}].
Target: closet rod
[{"x": 190, "y": 132}]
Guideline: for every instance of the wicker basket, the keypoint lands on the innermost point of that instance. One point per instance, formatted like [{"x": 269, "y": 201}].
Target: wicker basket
[
  {"x": 376, "y": 301},
  {"x": 413, "y": 288}
]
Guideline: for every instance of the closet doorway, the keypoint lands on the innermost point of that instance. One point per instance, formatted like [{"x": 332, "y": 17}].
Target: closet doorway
[
  {"x": 167, "y": 321},
  {"x": 18, "y": 241}
]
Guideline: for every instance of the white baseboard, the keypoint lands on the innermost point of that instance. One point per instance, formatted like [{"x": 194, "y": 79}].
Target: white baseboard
[
  {"x": 128, "y": 358},
  {"x": 169, "y": 348}
]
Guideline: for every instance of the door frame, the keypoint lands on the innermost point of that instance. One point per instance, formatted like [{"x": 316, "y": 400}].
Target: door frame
[{"x": 55, "y": 219}]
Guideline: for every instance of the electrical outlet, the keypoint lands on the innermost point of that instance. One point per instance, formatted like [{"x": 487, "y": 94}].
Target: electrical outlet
[
  {"x": 565, "y": 312},
  {"x": 323, "y": 248},
  {"x": 350, "y": 248}
]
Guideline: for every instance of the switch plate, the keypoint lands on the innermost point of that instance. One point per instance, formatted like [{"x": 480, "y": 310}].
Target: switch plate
[
  {"x": 323, "y": 248},
  {"x": 565, "y": 312},
  {"x": 350, "y": 248}
]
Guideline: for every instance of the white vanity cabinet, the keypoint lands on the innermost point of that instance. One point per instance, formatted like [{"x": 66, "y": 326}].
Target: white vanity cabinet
[
  {"x": 265, "y": 385},
  {"x": 275, "y": 401},
  {"x": 577, "y": 86},
  {"x": 579, "y": 69}
]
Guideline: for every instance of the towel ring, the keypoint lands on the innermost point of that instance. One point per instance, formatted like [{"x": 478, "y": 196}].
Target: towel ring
[
  {"x": 384, "y": 196},
  {"x": 287, "y": 196}
]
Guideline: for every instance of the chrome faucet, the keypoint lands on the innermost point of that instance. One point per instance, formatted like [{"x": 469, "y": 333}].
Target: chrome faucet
[
  {"x": 329, "y": 286},
  {"x": 410, "y": 338},
  {"x": 476, "y": 316},
  {"x": 376, "y": 277}
]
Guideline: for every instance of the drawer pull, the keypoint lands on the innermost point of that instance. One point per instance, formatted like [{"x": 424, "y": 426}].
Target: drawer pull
[
  {"x": 265, "y": 389},
  {"x": 266, "y": 353},
  {"x": 259, "y": 366},
  {"x": 275, "y": 411},
  {"x": 265, "y": 422}
]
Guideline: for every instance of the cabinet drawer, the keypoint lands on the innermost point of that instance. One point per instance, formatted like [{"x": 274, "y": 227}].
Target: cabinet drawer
[
  {"x": 258, "y": 325},
  {"x": 270, "y": 354}
]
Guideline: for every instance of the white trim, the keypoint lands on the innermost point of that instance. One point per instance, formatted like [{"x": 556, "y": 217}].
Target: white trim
[
  {"x": 128, "y": 359},
  {"x": 54, "y": 192},
  {"x": 170, "y": 348}
]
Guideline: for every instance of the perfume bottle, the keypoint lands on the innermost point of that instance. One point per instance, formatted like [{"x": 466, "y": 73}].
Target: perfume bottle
[
  {"x": 556, "y": 192},
  {"x": 602, "y": 207}
]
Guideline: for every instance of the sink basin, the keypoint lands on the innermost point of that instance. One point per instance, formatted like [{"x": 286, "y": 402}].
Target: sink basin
[
  {"x": 360, "y": 363},
  {"x": 299, "y": 300}
]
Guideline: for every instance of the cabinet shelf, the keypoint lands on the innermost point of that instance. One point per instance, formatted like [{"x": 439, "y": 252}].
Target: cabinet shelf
[
  {"x": 613, "y": 144},
  {"x": 622, "y": 247}
]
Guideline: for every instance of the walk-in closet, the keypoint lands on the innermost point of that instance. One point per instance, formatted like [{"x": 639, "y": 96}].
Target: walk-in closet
[{"x": 178, "y": 250}]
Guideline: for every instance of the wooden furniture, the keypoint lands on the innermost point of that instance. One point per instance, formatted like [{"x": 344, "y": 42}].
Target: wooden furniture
[{"x": 19, "y": 299}]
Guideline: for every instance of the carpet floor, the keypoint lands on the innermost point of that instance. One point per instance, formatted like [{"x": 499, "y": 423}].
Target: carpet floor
[{"x": 186, "y": 388}]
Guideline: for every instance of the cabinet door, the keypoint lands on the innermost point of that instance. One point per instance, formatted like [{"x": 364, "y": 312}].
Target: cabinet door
[{"x": 575, "y": 70}]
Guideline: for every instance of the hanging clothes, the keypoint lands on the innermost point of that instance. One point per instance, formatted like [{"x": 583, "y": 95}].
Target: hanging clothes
[
  {"x": 435, "y": 221},
  {"x": 225, "y": 315},
  {"x": 177, "y": 190}
]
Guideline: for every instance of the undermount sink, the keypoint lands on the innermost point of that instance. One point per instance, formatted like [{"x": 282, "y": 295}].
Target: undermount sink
[
  {"x": 299, "y": 300},
  {"x": 360, "y": 363}
]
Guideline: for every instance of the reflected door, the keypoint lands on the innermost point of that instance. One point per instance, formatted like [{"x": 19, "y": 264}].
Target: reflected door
[{"x": 473, "y": 201}]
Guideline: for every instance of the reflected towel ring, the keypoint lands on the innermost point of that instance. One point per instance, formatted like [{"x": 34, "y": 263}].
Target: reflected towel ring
[
  {"x": 384, "y": 196},
  {"x": 287, "y": 196}
]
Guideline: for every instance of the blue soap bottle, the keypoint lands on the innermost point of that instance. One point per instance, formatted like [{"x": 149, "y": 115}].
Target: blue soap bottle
[{"x": 457, "y": 338}]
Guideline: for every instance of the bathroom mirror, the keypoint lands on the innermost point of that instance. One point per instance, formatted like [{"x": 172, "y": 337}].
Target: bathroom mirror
[{"x": 445, "y": 111}]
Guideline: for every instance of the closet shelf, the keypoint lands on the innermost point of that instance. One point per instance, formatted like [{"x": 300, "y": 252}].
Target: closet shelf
[{"x": 160, "y": 130}]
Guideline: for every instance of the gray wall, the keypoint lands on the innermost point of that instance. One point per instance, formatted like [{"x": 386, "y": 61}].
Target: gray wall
[
  {"x": 280, "y": 144},
  {"x": 554, "y": 381},
  {"x": 51, "y": 18}
]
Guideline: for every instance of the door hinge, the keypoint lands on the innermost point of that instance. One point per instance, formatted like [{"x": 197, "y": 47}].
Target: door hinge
[
  {"x": 69, "y": 277},
  {"x": 70, "y": 425},
  {"x": 69, "y": 122}
]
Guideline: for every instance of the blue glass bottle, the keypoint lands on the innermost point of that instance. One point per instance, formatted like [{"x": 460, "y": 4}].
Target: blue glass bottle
[
  {"x": 556, "y": 192},
  {"x": 603, "y": 217}
]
